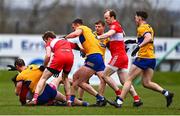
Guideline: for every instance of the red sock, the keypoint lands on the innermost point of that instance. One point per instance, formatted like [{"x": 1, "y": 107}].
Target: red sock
[
  {"x": 68, "y": 98},
  {"x": 118, "y": 92},
  {"x": 136, "y": 98},
  {"x": 35, "y": 97}
]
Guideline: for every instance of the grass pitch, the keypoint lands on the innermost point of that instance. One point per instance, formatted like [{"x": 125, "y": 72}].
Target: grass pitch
[{"x": 154, "y": 103}]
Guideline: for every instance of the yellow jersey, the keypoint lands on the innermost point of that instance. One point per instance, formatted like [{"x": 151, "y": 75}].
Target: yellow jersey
[
  {"x": 146, "y": 51},
  {"x": 30, "y": 75},
  {"x": 89, "y": 42},
  {"x": 103, "y": 44}
]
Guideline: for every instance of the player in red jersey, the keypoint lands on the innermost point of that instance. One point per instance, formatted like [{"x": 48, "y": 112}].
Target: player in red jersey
[
  {"x": 119, "y": 60},
  {"x": 62, "y": 60}
]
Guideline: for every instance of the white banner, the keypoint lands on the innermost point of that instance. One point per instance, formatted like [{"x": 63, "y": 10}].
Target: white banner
[{"x": 31, "y": 49}]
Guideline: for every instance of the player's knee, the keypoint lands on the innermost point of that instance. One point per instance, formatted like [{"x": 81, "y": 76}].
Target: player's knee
[{"x": 146, "y": 84}]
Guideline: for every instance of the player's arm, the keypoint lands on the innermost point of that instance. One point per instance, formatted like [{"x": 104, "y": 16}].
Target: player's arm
[
  {"x": 107, "y": 34},
  {"x": 74, "y": 46},
  {"x": 147, "y": 39},
  {"x": 74, "y": 34},
  {"x": 47, "y": 56},
  {"x": 18, "y": 87}
]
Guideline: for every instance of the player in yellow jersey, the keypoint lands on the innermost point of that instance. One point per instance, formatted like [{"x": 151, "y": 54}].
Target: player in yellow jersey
[
  {"x": 94, "y": 63},
  {"x": 26, "y": 82},
  {"x": 99, "y": 30},
  {"x": 145, "y": 61}
]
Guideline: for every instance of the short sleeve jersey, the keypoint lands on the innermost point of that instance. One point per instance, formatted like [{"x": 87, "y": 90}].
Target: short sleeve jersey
[
  {"x": 146, "y": 51},
  {"x": 30, "y": 75}
]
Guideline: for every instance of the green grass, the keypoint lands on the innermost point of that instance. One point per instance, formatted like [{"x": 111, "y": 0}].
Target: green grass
[{"x": 154, "y": 103}]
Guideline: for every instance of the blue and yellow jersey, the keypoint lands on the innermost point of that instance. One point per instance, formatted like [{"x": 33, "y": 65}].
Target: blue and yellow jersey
[
  {"x": 89, "y": 41},
  {"x": 103, "y": 44},
  {"x": 30, "y": 75},
  {"x": 146, "y": 51}
]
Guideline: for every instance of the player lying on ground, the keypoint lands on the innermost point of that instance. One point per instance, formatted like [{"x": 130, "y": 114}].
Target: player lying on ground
[{"x": 26, "y": 81}]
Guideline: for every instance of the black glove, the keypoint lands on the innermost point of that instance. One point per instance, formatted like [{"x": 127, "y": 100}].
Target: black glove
[
  {"x": 42, "y": 68},
  {"x": 126, "y": 48},
  {"x": 12, "y": 68},
  {"x": 135, "y": 50},
  {"x": 130, "y": 41},
  {"x": 82, "y": 54}
]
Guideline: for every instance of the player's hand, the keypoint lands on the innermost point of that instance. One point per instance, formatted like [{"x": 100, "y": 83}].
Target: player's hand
[
  {"x": 82, "y": 54},
  {"x": 135, "y": 50},
  {"x": 12, "y": 68},
  {"x": 130, "y": 41},
  {"x": 126, "y": 48},
  {"x": 42, "y": 68}
]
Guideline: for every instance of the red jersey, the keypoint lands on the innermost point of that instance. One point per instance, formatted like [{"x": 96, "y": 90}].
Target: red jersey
[
  {"x": 117, "y": 47},
  {"x": 59, "y": 45},
  {"x": 63, "y": 56}
]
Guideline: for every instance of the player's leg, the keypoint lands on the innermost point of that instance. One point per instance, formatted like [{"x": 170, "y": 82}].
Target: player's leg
[
  {"x": 109, "y": 70},
  {"x": 134, "y": 71},
  {"x": 123, "y": 74},
  {"x": 102, "y": 86},
  {"x": 60, "y": 96},
  {"x": 80, "y": 73},
  {"x": 55, "y": 82},
  {"x": 147, "y": 82},
  {"x": 80, "y": 93},
  {"x": 67, "y": 86}
]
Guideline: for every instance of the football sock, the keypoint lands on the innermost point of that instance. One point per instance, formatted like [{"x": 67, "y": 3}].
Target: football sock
[
  {"x": 118, "y": 92},
  {"x": 68, "y": 98},
  {"x": 85, "y": 104},
  {"x": 136, "y": 98},
  {"x": 165, "y": 92},
  {"x": 99, "y": 98},
  {"x": 119, "y": 100},
  {"x": 72, "y": 98},
  {"x": 35, "y": 97}
]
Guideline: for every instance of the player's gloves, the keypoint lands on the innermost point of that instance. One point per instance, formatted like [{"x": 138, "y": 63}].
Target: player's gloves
[
  {"x": 82, "y": 54},
  {"x": 42, "y": 68},
  {"x": 130, "y": 41},
  {"x": 12, "y": 68},
  {"x": 135, "y": 50},
  {"x": 126, "y": 48}
]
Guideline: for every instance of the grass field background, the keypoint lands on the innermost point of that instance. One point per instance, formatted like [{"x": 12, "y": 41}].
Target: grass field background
[{"x": 154, "y": 103}]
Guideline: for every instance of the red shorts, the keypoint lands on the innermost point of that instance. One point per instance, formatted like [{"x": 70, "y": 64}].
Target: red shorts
[
  {"x": 119, "y": 61},
  {"x": 63, "y": 61}
]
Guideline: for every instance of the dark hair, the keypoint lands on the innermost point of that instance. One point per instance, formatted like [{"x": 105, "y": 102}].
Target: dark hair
[
  {"x": 111, "y": 13},
  {"x": 142, "y": 14},
  {"x": 49, "y": 34},
  {"x": 19, "y": 62},
  {"x": 78, "y": 21},
  {"x": 100, "y": 22}
]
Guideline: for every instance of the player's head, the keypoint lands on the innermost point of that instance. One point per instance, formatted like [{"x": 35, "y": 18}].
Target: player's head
[
  {"x": 77, "y": 22},
  {"x": 99, "y": 27},
  {"x": 48, "y": 34},
  {"x": 140, "y": 17},
  {"x": 19, "y": 64},
  {"x": 109, "y": 16}
]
